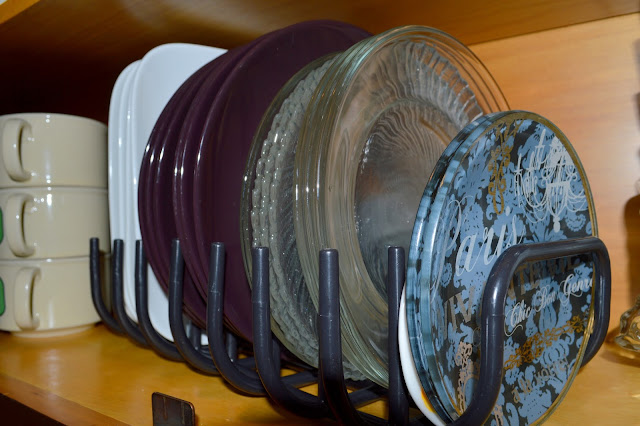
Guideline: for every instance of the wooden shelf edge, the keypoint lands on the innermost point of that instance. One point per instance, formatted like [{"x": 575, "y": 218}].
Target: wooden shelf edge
[
  {"x": 24, "y": 399},
  {"x": 11, "y": 8}
]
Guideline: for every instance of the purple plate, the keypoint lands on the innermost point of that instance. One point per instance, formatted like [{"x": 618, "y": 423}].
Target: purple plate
[
  {"x": 182, "y": 161},
  {"x": 156, "y": 220},
  {"x": 226, "y": 137}
]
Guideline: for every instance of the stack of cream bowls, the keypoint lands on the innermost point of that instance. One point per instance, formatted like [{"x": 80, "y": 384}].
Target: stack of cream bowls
[{"x": 53, "y": 199}]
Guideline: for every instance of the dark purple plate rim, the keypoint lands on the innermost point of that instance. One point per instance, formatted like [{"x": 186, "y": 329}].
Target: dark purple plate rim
[
  {"x": 226, "y": 138},
  {"x": 183, "y": 164},
  {"x": 156, "y": 223}
]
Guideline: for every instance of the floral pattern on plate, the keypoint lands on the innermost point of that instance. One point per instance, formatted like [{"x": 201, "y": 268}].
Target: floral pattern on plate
[{"x": 518, "y": 181}]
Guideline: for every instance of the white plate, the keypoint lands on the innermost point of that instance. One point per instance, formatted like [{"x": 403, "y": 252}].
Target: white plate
[
  {"x": 409, "y": 371},
  {"x": 114, "y": 157},
  {"x": 118, "y": 190},
  {"x": 162, "y": 71},
  {"x": 128, "y": 262}
]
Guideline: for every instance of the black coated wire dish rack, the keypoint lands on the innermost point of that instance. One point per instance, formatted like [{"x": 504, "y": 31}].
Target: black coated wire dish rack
[{"x": 260, "y": 374}]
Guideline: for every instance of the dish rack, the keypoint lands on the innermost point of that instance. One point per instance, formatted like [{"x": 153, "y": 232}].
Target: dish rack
[{"x": 259, "y": 374}]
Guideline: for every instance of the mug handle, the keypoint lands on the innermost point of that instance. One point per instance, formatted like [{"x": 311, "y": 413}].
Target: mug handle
[
  {"x": 12, "y": 132},
  {"x": 23, "y": 313},
  {"x": 15, "y": 225}
]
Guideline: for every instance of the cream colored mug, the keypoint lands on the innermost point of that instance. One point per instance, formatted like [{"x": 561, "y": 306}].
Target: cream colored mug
[
  {"x": 47, "y": 297},
  {"x": 40, "y": 149},
  {"x": 51, "y": 222}
]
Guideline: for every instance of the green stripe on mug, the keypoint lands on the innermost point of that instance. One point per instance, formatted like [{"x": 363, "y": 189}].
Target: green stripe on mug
[{"x": 2, "y": 304}]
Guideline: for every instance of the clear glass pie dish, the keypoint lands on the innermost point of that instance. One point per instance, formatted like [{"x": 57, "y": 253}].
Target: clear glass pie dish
[
  {"x": 266, "y": 215},
  {"x": 375, "y": 127}
]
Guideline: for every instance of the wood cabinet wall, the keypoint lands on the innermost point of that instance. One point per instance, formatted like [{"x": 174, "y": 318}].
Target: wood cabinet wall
[{"x": 65, "y": 55}]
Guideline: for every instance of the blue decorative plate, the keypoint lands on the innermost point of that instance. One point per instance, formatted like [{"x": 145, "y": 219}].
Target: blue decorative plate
[
  {"x": 474, "y": 128},
  {"x": 514, "y": 179}
]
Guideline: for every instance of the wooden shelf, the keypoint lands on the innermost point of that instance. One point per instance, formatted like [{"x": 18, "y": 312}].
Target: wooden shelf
[
  {"x": 583, "y": 77},
  {"x": 96, "y": 377},
  {"x": 99, "y": 378}
]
